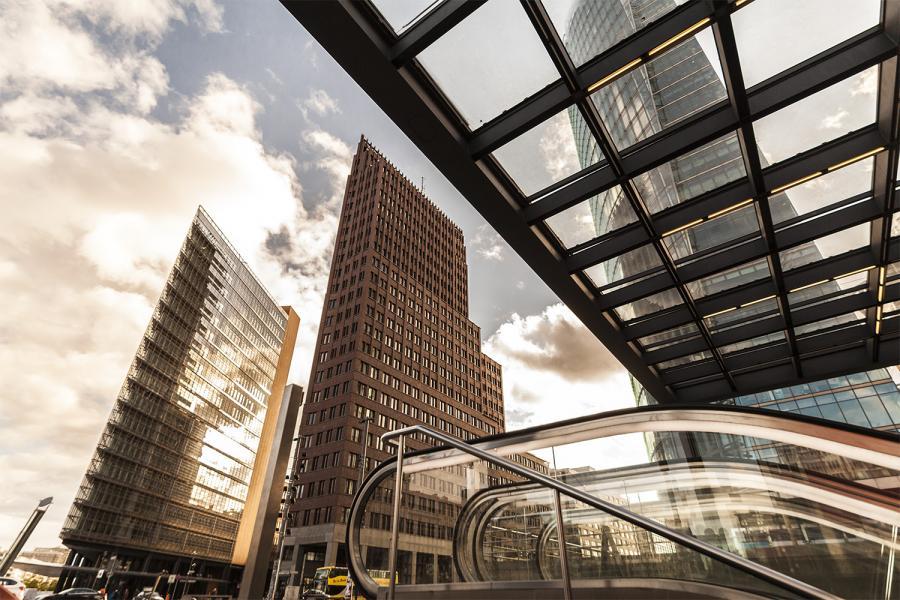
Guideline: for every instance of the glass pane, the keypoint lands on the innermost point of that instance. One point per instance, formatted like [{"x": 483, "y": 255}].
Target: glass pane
[
  {"x": 712, "y": 233},
  {"x": 669, "y": 337},
  {"x": 668, "y": 89},
  {"x": 844, "y": 107},
  {"x": 825, "y": 247},
  {"x": 547, "y": 153},
  {"x": 895, "y": 225},
  {"x": 625, "y": 265},
  {"x": 589, "y": 28},
  {"x": 830, "y": 323},
  {"x": 685, "y": 360},
  {"x": 756, "y": 342},
  {"x": 822, "y": 191},
  {"x": 774, "y": 35},
  {"x": 810, "y": 294},
  {"x": 649, "y": 305},
  {"x": 741, "y": 316},
  {"x": 729, "y": 278},
  {"x": 692, "y": 174},
  {"x": 592, "y": 218},
  {"x": 484, "y": 68},
  {"x": 402, "y": 15}
]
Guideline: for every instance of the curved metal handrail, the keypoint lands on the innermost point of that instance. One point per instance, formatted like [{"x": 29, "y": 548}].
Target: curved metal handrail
[
  {"x": 871, "y": 446},
  {"x": 766, "y": 574},
  {"x": 844, "y": 498}
]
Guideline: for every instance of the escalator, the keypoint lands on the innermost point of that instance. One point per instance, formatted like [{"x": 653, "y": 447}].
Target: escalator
[{"x": 743, "y": 503}]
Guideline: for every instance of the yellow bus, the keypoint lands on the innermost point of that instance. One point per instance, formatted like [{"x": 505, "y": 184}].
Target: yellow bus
[{"x": 332, "y": 583}]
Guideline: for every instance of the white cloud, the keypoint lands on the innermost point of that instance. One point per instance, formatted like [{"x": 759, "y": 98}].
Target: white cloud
[
  {"x": 835, "y": 120},
  {"x": 319, "y": 103},
  {"x": 555, "y": 369},
  {"x": 487, "y": 244},
  {"x": 865, "y": 84},
  {"x": 557, "y": 146},
  {"x": 97, "y": 196}
]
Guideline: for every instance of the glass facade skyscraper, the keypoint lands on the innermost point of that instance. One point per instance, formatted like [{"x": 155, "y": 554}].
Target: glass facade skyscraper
[
  {"x": 669, "y": 88},
  {"x": 172, "y": 471}
]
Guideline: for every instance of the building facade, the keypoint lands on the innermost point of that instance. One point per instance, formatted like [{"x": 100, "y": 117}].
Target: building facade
[
  {"x": 395, "y": 348},
  {"x": 172, "y": 486},
  {"x": 677, "y": 84}
]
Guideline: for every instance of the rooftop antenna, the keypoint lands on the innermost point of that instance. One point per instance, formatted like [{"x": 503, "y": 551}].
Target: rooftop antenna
[{"x": 422, "y": 189}]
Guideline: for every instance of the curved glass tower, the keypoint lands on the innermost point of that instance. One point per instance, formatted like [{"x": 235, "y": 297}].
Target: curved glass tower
[{"x": 171, "y": 476}]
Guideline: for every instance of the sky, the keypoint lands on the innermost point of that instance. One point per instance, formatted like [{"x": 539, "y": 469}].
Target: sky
[{"x": 118, "y": 118}]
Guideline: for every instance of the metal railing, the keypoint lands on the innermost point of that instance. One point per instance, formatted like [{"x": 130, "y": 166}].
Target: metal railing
[{"x": 733, "y": 560}]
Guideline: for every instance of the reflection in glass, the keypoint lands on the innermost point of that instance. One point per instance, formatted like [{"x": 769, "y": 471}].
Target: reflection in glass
[
  {"x": 729, "y": 278},
  {"x": 841, "y": 108},
  {"x": 648, "y": 305},
  {"x": 588, "y": 220},
  {"x": 822, "y": 191},
  {"x": 677, "y": 84},
  {"x": 825, "y": 247},
  {"x": 589, "y": 28},
  {"x": 713, "y": 233},
  {"x": 749, "y": 313},
  {"x": 669, "y": 337},
  {"x": 611, "y": 271},
  {"x": 544, "y": 154},
  {"x": 483, "y": 68},
  {"x": 699, "y": 171},
  {"x": 823, "y": 23}
]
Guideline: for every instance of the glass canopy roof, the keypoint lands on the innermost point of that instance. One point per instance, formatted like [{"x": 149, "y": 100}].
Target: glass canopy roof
[{"x": 710, "y": 186}]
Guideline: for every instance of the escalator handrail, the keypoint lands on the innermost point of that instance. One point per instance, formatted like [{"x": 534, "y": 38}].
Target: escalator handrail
[
  {"x": 738, "y": 562},
  {"x": 875, "y": 447}
]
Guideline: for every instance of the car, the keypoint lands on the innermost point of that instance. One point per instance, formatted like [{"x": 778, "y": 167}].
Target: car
[
  {"x": 14, "y": 586},
  {"x": 76, "y": 594}
]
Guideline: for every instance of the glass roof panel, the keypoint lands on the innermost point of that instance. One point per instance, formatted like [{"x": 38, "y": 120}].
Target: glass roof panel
[
  {"x": 825, "y": 247},
  {"x": 592, "y": 218},
  {"x": 684, "y": 360},
  {"x": 822, "y": 191},
  {"x": 649, "y": 305},
  {"x": 766, "y": 31},
  {"x": 548, "y": 152},
  {"x": 839, "y": 322},
  {"x": 634, "y": 262},
  {"x": 839, "y": 109},
  {"x": 699, "y": 171},
  {"x": 670, "y": 88},
  {"x": 669, "y": 337},
  {"x": 806, "y": 296},
  {"x": 746, "y": 314},
  {"x": 712, "y": 233},
  {"x": 590, "y": 28},
  {"x": 403, "y": 15},
  {"x": 483, "y": 68},
  {"x": 763, "y": 340},
  {"x": 729, "y": 278}
]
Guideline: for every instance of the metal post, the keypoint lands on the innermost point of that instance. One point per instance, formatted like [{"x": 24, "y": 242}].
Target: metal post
[
  {"x": 395, "y": 518},
  {"x": 23, "y": 536},
  {"x": 561, "y": 538},
  {"x": 365, "y": 447}
]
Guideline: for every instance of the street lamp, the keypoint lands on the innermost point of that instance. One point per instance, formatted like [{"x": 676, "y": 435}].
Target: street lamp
[{"x": 365, "y": 445}]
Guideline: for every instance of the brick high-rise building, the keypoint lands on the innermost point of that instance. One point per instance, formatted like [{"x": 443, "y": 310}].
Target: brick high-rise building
[{"x": 395, "y": 344}]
